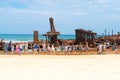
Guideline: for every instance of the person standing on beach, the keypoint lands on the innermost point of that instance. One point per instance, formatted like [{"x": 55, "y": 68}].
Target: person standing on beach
[
  {"x": 114, "y": 48},
  {"x": 21, "y": 47},
  {"x": 26, "y": 47},
  {"x": 1, "y": 44},
  {"x": 66, "y": 49},
  {"x": 72, "y": 48},
  {"x": 10, "y": 47},
  {"x": 44, "y": 47},
  {"x": 52, "y": 48},
  {"x": 62, "y": 48},
  {"x": 5, "y": 48},
  {"x": 108, "y": 47},
  {"x": 48, "y": 47},
  {"x": 100, "y": 48},
  {"x": 18, "y": 49},
  {"x": 104, "y": 47},
  {"x": 86, "y": 47},
  {"x": 79, "y": 48},
  {"x": 35, "y": 46}
]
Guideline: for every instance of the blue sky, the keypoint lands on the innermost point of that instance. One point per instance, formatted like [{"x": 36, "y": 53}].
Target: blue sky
[{"x": 25, "y": 16}]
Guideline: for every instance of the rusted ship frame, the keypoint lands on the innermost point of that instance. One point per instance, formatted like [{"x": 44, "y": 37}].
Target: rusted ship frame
[
  {"x": 84, "y": 36},
  {"x": 51, "y": 36}
]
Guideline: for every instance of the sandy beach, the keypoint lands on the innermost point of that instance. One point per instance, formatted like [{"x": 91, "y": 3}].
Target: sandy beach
[{"x": 53, "y": 67}]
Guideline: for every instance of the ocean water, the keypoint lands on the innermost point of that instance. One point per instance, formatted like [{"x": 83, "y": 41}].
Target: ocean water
[{"x": 29, "y": 37}]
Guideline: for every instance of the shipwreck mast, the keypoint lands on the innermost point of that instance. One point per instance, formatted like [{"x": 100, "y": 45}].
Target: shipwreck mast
[{"x": 51, "y": 36}]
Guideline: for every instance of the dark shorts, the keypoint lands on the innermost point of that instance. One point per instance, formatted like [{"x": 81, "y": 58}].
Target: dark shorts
[
  {"x": 108, "y": 47},
  {"x": 9, "y": 49}
]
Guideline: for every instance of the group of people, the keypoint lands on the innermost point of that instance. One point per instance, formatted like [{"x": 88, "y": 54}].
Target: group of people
[
  {"x": 66, "y": 49},
  {"x": 70, "y": 48},
  {"x": 106, "y": 48},
  {"x": 15, "y": 48},
  {"x": 23, "y": 47}
]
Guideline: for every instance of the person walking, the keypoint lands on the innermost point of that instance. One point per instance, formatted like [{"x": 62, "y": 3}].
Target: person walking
[
  {"x": 18, "y": 49},
  {"x": 35, "y": 46},
  {"x": 100, "y": 49},
  {"x": 114, "y": 48},
  {"x": 5, "y": 48}
]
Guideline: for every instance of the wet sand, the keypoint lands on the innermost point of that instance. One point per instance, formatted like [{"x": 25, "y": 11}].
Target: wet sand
[{"x": 53, "y": 67}]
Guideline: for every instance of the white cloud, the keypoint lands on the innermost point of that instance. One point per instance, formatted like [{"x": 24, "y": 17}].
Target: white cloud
[
  {"x": 63, "y": 7},
  {"x": 67, "y": 12},
  {"x": 104, "y": 6}
]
